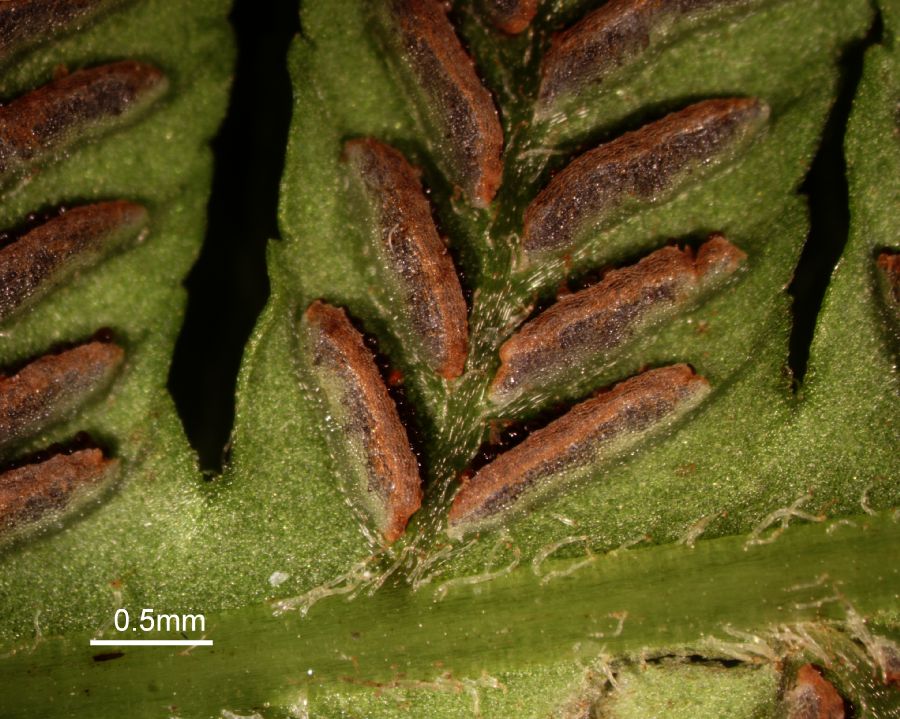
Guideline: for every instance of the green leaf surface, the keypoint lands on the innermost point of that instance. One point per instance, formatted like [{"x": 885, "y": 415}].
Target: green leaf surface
[
  {"x": 161, "y": 160},
  {"x": 312, "y": 614},
  {"x": 754, "y": 446},
  {"x": 524, "y": 645}
]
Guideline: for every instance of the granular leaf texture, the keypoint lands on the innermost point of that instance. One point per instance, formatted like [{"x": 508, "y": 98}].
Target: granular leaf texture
[{"x": 517, "y": 434}]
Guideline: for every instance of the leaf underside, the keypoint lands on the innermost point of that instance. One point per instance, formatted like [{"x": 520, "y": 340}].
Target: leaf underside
[{"x": 756, "y": 452}]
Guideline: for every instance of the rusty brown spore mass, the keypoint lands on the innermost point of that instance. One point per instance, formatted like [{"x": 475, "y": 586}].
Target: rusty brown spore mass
[
  {"x": 412, "y": 254},
  {"x": 26, "y": 22},
  {"x": 50, "y": 487},
  {"x": 75, "y": 107},
  {"x": 54, "y": 251},
  {"x": 601, "y": 427},
  {"x": 49, "y": 388},
  {"x": 356, "y": 395},
  {"x": 814, "y": 697},
  {"x": 642, "y": 165},
  {"x": 468, "y": 136},
  {"x": 607, "y": 38},
  {"x": 511, "y": 16},
  {"x": 582, "y": 328},
  {"x": 889, "y": 661},
  {"x": 889, "y": 265}
]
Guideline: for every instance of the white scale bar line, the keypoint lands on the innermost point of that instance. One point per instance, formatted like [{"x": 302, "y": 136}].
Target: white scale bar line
[{"x": 151, "y": 642}]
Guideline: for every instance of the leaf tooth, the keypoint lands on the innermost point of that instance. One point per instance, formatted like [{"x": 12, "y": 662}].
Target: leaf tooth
[
  {"x": 607, "y": 38},
  {"x": 49, "y": 388},
  {"x": 644, "y": 166},
  {"x": 598, "y": 429},
  {"x": 372, "y": 438},
  {"x": 78, "y": 106},
  {"x": 25, "y": 22},
  {"x": 47, "y": 488},
  {"x": 814, "y": 697},
  {"x": 511, "y": 16},
  {"x": 584, "y": 328},
  {"x": 463, "y": 120},
  {"x": 53, "y": 252},
  {"x": 412, "y": 254}
]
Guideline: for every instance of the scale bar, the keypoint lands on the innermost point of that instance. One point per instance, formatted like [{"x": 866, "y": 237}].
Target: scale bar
[{"x": 151, "y": 642}]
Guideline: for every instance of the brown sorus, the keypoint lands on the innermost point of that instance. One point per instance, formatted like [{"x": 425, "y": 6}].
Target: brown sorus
[
  {"x": 599, "y": 428},
  {"x": 889, "y": 265},
  {"x": 605, "y": 39},
  {"x": 72, "y": 108},
  {"x": 511, "y": 16},
  {"x": 643, "y": 165},
  {"x": 54, "y": 251},
  {"x": 30, "y": 493},
  {"x": 49, "y": 388},
  {"x": 814, "y": 697},
  {"x": 25, "y": 22},
  {"x": 412, "y": 254},
  {"x": 465, "y": 125},
  {"x": 889, "y": 657},
  {"x": 583, "y": 328},
  {"x": 382, "y": 462}
]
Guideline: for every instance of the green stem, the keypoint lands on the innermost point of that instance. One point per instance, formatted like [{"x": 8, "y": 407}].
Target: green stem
[{"x": 673, "y": 596}]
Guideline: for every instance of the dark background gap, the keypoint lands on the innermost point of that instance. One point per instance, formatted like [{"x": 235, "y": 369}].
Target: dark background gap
[
  {"x": 828, "y": 194},
  {"x": 228, "y": 286}
]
